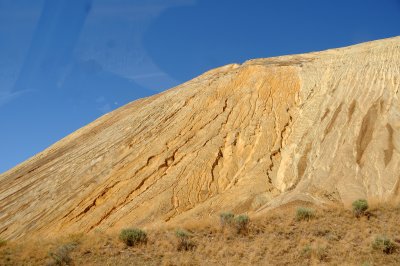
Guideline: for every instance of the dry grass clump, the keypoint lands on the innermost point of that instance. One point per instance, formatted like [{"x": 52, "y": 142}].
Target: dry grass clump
[
  {"x": 61, "y": 256},
  {"x": 242, "y": 223},
  {"x": 306, "y": 251},
  {"x": 133, "y": 236},
  {"x": 184, "y": 242},
  {"x": 303, "y": 213},
  {"x": 320, "y": 253},
  {"x": 3, "y": 242}
]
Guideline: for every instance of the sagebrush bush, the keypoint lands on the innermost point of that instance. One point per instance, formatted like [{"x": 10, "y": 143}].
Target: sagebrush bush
[
  {"x": 241, "y": 223},
  {"x": 304, "y": 214},
  {"x": 384, "y": 244},
  {"x": 61, "y": 256},
  {"x": 184, "y": 242},
  {"x": 360, "y": 206},
  {"x": 226, "y": 218},
  {"x": 133, "y": 236}
]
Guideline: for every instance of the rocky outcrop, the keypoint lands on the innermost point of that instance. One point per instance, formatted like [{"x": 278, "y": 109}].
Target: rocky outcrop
[{"x": 319, "y": 127}]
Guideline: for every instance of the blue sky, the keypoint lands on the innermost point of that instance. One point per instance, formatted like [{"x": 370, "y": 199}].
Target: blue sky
[{"x": 63, "y": 63}]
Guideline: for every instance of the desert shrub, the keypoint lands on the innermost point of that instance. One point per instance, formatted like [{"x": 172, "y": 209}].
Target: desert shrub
[
  {"x": 184, "y": 242},
  {"x": 61, "y": 256},
  {"x": 226, "y": 218},
  {"x": 241, "y": 223},
  {"x": 2, "y": 242},
  {"x": 384, "y": 244},
  {"x": 360, "y": 206},
  {"x": 304, "y": 214},
  {"x": 133, "y": 236}
]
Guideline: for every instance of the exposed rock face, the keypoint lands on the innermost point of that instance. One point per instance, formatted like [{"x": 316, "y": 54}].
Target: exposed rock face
[{"x": 320, "y": 126}]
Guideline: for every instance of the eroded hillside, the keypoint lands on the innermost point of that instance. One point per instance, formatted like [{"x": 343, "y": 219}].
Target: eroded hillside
[{"x": 317, "y": 127}]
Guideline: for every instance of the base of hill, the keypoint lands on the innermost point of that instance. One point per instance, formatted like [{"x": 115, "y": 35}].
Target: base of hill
[{"x": 325, "y": 236}]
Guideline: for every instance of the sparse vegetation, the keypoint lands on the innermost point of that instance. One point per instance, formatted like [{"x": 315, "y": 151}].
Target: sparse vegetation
[
  {"x": 133, "y": 236},
  {"x": 2, "y": 242},
  {"x": 61, "y": 256},
  {"x": 384, "y": 244},
  {"x": 184, "y": 242},
  {"x": 332, "y": 237},
  {"x": 226, "y": 218},
  {"x": 241, "y": 223},
  {"x": 360, "y": 206},
  {"x": 319, "y": 252},
  {"x": 303, "y": 213}
]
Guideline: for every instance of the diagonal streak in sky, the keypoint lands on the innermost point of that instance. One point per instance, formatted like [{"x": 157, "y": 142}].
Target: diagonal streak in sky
[{"x": 53, "y": 43}]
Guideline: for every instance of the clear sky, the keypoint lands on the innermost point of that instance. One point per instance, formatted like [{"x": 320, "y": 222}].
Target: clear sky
[{"x": 63, "y": 63}]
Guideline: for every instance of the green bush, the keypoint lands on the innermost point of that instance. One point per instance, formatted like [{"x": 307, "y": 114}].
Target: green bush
[
  {"x": 241, "y": 223},
  {"x": 304, "y": 214},
  {"x": 360, "y": 206},
  {"x": 133, "y": 236},
  {"x": 226, "y": 218},
  {"x": 184, "y": 242},
  {"x": 384, "y": 244}
]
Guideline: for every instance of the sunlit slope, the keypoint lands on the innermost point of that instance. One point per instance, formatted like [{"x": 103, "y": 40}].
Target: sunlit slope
[{"x": 319, "y": 127}]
